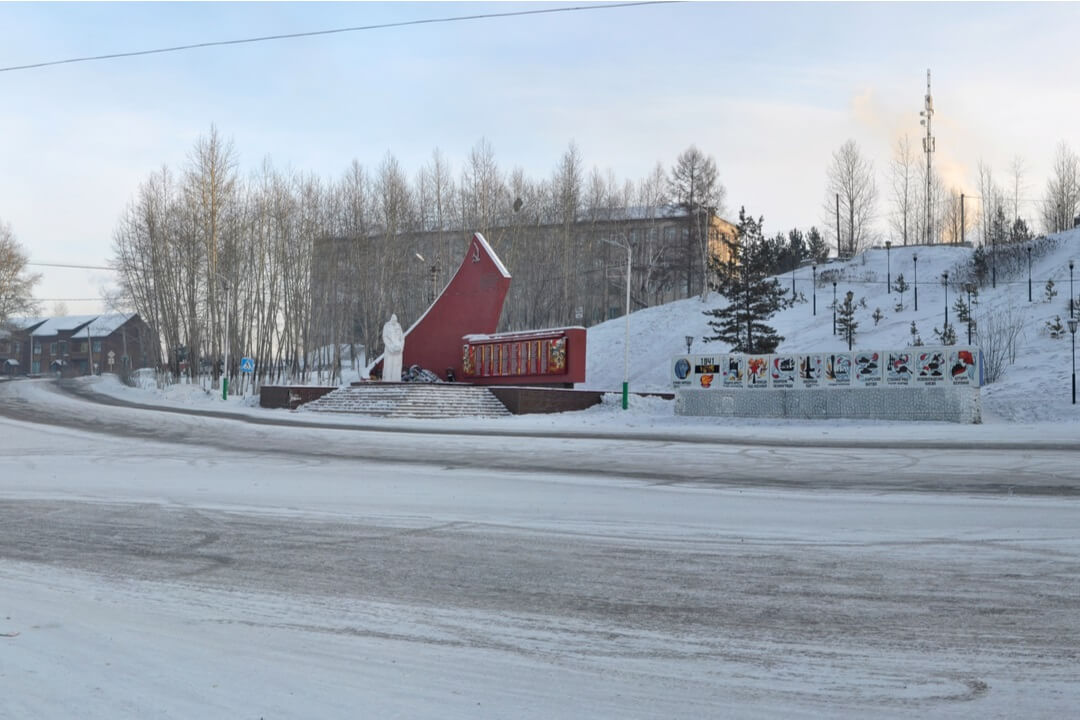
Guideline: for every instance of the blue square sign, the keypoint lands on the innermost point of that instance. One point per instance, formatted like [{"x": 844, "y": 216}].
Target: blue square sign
[{"x": 247, "y": 365}]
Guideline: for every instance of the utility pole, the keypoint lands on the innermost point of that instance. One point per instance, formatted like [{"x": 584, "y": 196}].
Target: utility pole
[
  {"x": 962, "y": 224},
  {"x": 928, "y": 147}
]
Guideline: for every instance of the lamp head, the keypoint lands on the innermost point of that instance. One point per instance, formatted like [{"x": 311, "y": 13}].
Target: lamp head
[{"x": 1072, "y": 325}]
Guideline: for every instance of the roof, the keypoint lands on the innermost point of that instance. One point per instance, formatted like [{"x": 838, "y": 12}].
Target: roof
[
  {"x": 52, "y": 326},
  {"x": 106, "y": 325}
]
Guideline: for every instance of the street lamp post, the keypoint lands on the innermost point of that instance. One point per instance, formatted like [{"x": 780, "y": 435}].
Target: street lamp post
[
  {"x": 888, "y": 267},
  {"x": 814, "y": 289},
  {"x": 1071, "y": 302},
  {"x": 794, "y": 264},
  {"x": 689, "y": 342},
  {"x": 1029, "y": 272},
  {"x": 225, "y": 370},
  {"x": 969, "y": 287},
  {"x": 626, "y": 340},
  {"x": 1072, "y": 331},
  {"x": 945, "y": 282},
  {"x": 993, "y": 260},
  {"x": 834, "y": 307},
  {"x": 915, "y": 285}
]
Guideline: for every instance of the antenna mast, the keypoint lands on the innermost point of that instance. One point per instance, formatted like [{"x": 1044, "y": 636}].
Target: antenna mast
[{"x": 928, "y": 147}]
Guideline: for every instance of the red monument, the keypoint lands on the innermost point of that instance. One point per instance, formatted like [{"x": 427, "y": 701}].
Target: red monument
[{"x": 456, "y": 334}]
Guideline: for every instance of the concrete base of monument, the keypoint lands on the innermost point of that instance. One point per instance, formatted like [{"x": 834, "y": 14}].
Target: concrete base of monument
[{"x": 942, "y": 404}]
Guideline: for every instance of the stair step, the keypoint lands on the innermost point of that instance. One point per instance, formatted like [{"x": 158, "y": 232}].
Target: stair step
[{"x": 417, "y": 400}]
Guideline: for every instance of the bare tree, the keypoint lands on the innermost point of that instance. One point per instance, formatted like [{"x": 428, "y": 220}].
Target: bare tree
[
  {"x": 1018, "y": 187},
  {"x": 16, "y": 284},
  {"x": 903, "y": 220},
  {"x": 694, "y": 185},
  {"x": 1061, "y": 203},
  {"x": 851, "y": 178}
]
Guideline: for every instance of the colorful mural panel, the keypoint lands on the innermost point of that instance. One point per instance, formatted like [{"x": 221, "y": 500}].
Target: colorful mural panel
[
  {"x": 900, "y": 368},
  {"x": 782, "y": 371},
  {"x": 963, "y": 368},
  {"x": 867, "y": 370},
  {"x": 838, "y": 370},
  {"x": 811, "y": 370},
  {"x": 757, "y": 371},
  {"x": 734, "y": 371},
  {"x": 930, "y": 366}
]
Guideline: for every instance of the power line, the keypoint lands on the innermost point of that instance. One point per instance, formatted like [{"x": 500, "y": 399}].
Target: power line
[
  {"x": 334, "y": 31},
  {"x": 68, "y": 265}
]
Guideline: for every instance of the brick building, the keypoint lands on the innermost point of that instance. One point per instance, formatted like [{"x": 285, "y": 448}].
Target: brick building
[{"x": 71, "y": 344}]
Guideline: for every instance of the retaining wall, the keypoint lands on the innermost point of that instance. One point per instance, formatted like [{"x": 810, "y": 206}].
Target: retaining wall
[{"x": 948, "y": 404}]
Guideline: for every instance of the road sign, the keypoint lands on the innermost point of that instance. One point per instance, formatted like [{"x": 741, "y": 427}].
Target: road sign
[{"x": 247, "y": 365}]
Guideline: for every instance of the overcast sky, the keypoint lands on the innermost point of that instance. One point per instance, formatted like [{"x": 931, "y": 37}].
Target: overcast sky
[{"x": 768, "y": 89}]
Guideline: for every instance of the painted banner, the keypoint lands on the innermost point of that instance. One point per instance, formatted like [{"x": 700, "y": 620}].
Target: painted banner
[
  {"x": 867, "y": 370},
  {"x": 900, "y": 368},
  {"x": 734, "y": 371},
  {"x": 838, "y": 370},
  {"x": 811, "y": 370},
  {"x": 782, "y": 371},
  {"x": 964, "y": 366},
  {"x": 707, "y": 370},
  {"x": 931, "y": 367},
  {"x": 757, "y": 371},
  {"x": 680, "y": 372}
]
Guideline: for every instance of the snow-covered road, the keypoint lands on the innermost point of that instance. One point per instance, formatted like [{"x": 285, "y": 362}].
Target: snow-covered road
[{"x": 179, "y": 566}]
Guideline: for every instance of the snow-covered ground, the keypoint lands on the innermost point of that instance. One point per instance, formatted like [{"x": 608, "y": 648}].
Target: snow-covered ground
[
  {"x": 1031, "y": 402},
  {"x": 601, "y": 564}
]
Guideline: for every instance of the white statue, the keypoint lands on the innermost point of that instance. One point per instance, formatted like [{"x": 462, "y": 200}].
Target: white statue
[{"x": 393, "y": 347}]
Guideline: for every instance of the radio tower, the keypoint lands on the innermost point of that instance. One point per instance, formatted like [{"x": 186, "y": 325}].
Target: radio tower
[{"x": 928, "y": 147}]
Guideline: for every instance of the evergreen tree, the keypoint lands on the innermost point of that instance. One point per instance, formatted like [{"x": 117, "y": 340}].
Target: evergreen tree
[
  {"x": 878, "y": 315},
  {"x": 1051, "y": 292},
  {"x": 901, "y": 286},
  {"x": 753, "y": 297},
  {"x": 845, "y": 318},
  {"x": 1019, "y": 232},
  {"x": 963, "y": 312},
  {"x": 946, "y": 336},
  {"x": 916, "y": 338},
  {"x": 980, "y": 266},
  {"x": 816, "y": 247}
]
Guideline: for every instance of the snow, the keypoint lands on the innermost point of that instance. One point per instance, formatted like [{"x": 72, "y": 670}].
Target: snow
[
  {"x": 105, "y": 325},
  {"x": 601, "y": 563},
  {"x": 55, "y": 325}
]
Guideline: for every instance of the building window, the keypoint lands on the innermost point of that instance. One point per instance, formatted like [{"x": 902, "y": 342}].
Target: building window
[
  {"x": 97, "y": 346},
  {"x": 52, "y": 349},
  {"x": 80, "y": 347},
  {"x": 63, "y": 348},
  {"x": 37, "y": 349}
]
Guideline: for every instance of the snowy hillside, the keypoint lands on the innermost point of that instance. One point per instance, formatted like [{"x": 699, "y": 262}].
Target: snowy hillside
[{"x": 1036, "y": 388}]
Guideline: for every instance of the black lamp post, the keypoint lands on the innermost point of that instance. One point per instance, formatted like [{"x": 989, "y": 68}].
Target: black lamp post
[
  {"x": 945, "y": 282},
  {"x": 1071, "y": 313},
  {"x": 834, "y": 307},
  {"x": 1072, "y": 331},
  {"x": 794, "y": 264},
  {"x": 1029, "y": 272},
  {"x": 689, "y": 342},
  {"x": 814, "y": 268},
  {"x": 915, "y": 285},
  {"x": 968, "y": 287},
  {"x": 888, "y": 266}
]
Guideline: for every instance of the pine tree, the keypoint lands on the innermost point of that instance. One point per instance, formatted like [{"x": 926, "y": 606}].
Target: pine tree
[
  {"x": 901, "y": 286},
  {"x": 752, "y": 296},
  {"x": 1050, "y": 291},
  {"x": 963, "y": 312},
  {"x": 816, "y": 247},
  {"x": 946, "y": 336},
  {"x": 878, "y": 315},
  {"x": 845, "y": 318},
  {"x": 980, "y": 267},
  {"x": 916, "y": 339}
]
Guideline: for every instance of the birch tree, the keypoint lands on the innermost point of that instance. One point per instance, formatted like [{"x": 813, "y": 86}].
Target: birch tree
[{"x": 851, "y": 178}]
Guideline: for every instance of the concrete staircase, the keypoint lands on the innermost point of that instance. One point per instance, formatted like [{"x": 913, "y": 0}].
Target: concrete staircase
[{"x": 410, "y": 400}]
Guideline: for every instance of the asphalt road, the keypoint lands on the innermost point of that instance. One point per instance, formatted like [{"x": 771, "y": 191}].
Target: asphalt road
[{"x": 838, "y": 581}]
